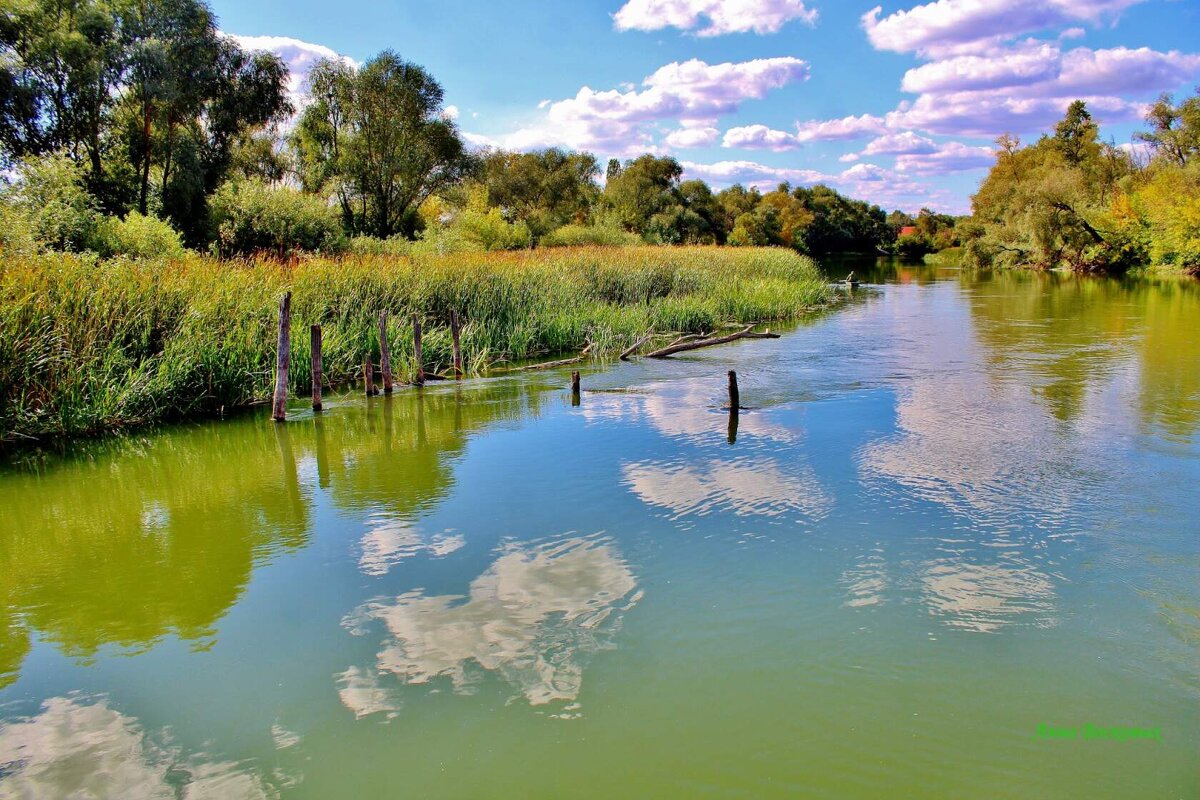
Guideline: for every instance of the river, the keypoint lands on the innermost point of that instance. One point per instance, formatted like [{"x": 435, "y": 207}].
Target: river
[{"x": 957, "y": 526}]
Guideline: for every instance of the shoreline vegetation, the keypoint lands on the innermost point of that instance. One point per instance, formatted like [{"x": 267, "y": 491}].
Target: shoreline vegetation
[{"x": 90, "y": 346}]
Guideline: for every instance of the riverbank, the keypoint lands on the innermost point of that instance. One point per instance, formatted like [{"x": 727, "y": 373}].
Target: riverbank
[{"x": 91, "y": 346}]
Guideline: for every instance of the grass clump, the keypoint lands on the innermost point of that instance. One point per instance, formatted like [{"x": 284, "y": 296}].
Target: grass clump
[{"x": 89, "y": 345}]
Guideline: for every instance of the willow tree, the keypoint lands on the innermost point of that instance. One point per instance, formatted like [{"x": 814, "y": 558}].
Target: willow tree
[{"x": 379, "y": 139}]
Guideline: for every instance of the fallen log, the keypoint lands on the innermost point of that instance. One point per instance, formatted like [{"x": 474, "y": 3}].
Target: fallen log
[
  {"x": 636, "y": 346},
  {"x": 680, "y": 347},
  {"x": 551, "y": 364}
]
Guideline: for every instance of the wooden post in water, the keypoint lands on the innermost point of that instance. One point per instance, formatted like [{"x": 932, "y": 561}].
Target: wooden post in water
[
  {"x": 283, "y": 358},
  {"x": 385, "y": 360},
  {"x": 455, "y": 330},
  {"x": 314, "y": 337},
  {"x": 734, "y": 398},
  {"x": 417, "y": 350},
  {"x": 368, "y": 375},
  {"x": 575, "y": 388}
]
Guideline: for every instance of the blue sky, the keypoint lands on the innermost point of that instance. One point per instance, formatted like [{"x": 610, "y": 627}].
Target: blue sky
[{"x": 897, "y": 104}]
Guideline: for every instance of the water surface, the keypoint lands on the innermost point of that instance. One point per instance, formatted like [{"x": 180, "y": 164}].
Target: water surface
[{"x": 961, "y": 507}]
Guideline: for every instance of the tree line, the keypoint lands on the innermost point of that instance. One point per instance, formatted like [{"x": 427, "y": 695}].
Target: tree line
[
  {"x": 1071, "y": 200},
  {"x": 136, "y": 127}
]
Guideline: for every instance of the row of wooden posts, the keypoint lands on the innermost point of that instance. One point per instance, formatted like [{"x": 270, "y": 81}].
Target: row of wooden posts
[
  {"x": 283, "y": 362},
  {"x": 283, "y": 358}
]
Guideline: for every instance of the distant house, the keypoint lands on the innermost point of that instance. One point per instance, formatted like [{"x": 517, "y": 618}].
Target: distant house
[{"x": 908, "y": 230}]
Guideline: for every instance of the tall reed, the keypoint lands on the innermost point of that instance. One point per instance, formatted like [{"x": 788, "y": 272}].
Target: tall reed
[{"x": 87, "y": 345}]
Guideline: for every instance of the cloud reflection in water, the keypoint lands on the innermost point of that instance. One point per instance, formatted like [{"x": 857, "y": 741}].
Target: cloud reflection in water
[
  {"x": 531, "y": 618},
  {"x": 75, "y": 748}
]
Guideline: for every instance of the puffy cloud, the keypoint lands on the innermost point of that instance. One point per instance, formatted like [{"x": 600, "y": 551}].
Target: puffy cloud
[
  {"x": 992, "y": 113},
  {"x": 724, "y": 16},
  {"x": 759, "y": 137},
  {"x": 849, "y": 158},
  {"x": 957, "y": 26},
  {"x": 750, "y": 173},
  {"x": 1027, "y": 64},
  {"x": 899, "y": 144},
  {"x": 692, "y": 91},
  {"x": 837, "y": 129},
  {"x": 945, "y": 159},
  {"x": 686, "y": 137},
  {"x": 299, "y": 56},
  {"x": 451, "y": 112}
]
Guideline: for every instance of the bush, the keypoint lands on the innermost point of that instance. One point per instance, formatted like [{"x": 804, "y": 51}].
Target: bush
[
  {"x": 590, "y": 236},
  {"x": 374, "y": 246},
  {"x": 914, "y": 246},
  {"x": 491, "y": 231},
  {"x": 253, "y": 217},
  {"x": 138, "y": 236},
  {"x": 50, "y": 197},
  {"x": 16, "y": 230}
]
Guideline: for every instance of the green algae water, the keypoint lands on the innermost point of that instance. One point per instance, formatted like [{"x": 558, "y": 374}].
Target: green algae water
[{"x": 951, "y": 550}]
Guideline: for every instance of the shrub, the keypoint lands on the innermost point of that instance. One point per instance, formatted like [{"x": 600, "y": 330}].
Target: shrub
[
  {"x": 374, "y": 246},
  {"x": 138, "y": 236},
  {"x": 253, "y": 217},
  {"x": 590, "y": 236},
  {"x": 491, "y": 231},
  {"x": 49, "y": 194}
]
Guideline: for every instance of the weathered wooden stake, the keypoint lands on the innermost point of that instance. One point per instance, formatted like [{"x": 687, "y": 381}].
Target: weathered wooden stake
[
  {"x": 385, "y": 360},
  {"x": 417, "y": 350},
  {"x": 575, "y": 388},
  {"x": 455, "y": 330},
  {"x": 368, "y": 375},
  {"x": 314, "y": 334},
  {"x": 734, "y": 397},
  {"x": 283, "y": 359}
]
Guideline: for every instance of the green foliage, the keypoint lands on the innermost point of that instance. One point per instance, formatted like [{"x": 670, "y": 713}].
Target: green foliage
[
  {"x": 372, "y": 246},
  {"x": 598, "y": 235},
  {"x": 543, "y": 189},
  {"x": 642, "y": 188},
  {"x": 149, "y": 99},
  {"x": 378, "y": 138},
  {"x": 252, "y": 217},
  {"x": 50, "y": 198},
  {"x": 138, "y": 236},
  {"x": 1072, "y": 201},
  {"x": 88, "y": 346}
]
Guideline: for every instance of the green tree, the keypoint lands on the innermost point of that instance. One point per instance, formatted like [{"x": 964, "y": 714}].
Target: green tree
[
  {"x": 1174, "y": 133},
  {"x": 644, "y": 187},
  {"x": 544, "y": 189},
  {"x": 379, "y": 139}
]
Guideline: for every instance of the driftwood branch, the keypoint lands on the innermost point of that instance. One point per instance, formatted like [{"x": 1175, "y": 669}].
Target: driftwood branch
[
  {"x": 637, "y": 345},
  {"x": 682, "y": 346},
  {"x": 551, "y": 364}
]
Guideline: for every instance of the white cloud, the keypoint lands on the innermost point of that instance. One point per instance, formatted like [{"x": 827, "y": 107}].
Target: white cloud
[
  {"x": 451, "y": 112},
  {"x": 958, "y": 26},
  {"x": 724, "y": 16},
  {"x": 751, "y": 173},
  {"x": 899, "y": 143},
  {"x": 693, "y": 92},
  {"x": 759, "y": 137},
  {"x": 1030, "y": 63},
  {"x": 838, "y": 129},
  {"x": 686, "y": 137},
  {"x": 849, "y": 158},
  {"x": 945, "y": 159},
  {"x": 299, "y": 56}
]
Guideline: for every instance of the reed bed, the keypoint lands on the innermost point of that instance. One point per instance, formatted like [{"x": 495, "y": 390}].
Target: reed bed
[{"x": 88, "y": 346}]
